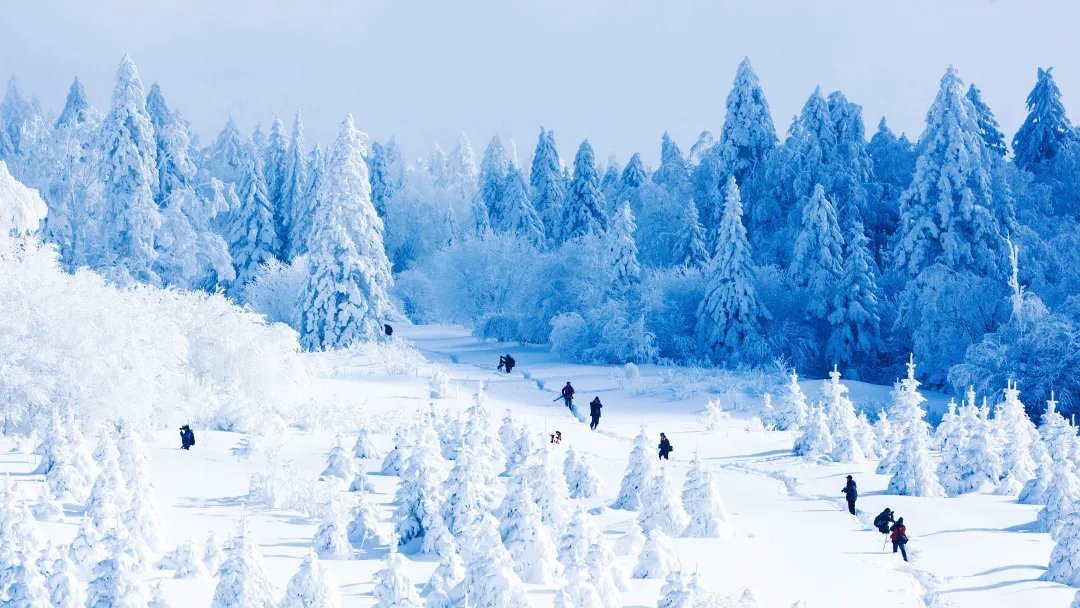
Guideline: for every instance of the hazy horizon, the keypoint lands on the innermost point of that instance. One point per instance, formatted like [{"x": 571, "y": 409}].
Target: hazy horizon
[{"x": 617, "y": 73}]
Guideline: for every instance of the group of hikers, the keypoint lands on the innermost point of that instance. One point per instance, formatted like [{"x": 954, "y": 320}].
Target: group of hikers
[{"x": 885, "y": 522}]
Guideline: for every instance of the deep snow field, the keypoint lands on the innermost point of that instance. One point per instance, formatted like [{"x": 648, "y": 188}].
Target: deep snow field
[{"x": 792, "y": 539}]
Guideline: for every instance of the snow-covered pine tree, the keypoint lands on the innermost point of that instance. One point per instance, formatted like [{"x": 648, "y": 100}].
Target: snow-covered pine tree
[
  {"x": 311, "y": 587},
  {"x": 577, "y": 592},
  {"x": 992, "y": 136},
  {"x": 331, "y": 540},
  {"x": 519, "y": 217},
  {"x": 364, "y": 529},
  {"x": 250, "y": 232},
  {"x": 186, "y": 561},
  {"x": 748, "y": 133},
  {"x": 680, "y": 591},
  {"x": 300, "y": 236},
  {"x": 854, "y": 316},
  {"x": 1046, "y": 131},
  {"x": 1061, "y": 495},
  {"x": 467, "y": 491},
  {"x": 657, "y": 558},
  {"x": 639, "y": 468},
  {"x": 65, "y": 588},
  {"x": 546, "y": 184},
  {"x": 242, "y": 579},
  {"x": 584, "y": 207},
  {"x": 729, "y": 314},
  {"x": 623, "y": 255},
  {"x": 1019, "y": 442},
  {"x": 912, "y": 470},
  {"x": 815, "y": 440},
  {"x": 495, "y": 169},
  {"x": 673, "y": 174},
  {"x": 339, "y": 464},
  {"x": 418, "y": 496},
  {"x": 549, "y": 490},
  {"x": 490, "y": 579},
  {"x": 582, "y": 548},
  {"x": 530, "y": 545},
  {"x": 129, "y": 176},
  {"x": 851, "y": 163},
  {"x": 1064, "y": 566},
  {"x": 293, "y": 186},
  {"x": 945, "y": 214},
  {"x": 951, "y": 438},
  {"x": 792, "y": 409},
  {"x": 393, "y": 587},
  {"x": 387, "y": 174},
  {"x": 816, "y": 261},
  {"x": 580, "y": 479},
  {"x": 213, "y": 554},
  {"x": 117, "y": 579},
  {"x": 842, "y": 420},
  {"x": 364, "y": 446},
  {"x": 274, "y": 158},
  {"x": 346, "y": 297},
  {"x": 979, "y": 464},
  {"x": 690, "y": 249},
  {"x": 660, "y": 506},
  {"x": 702, "y": 502}
]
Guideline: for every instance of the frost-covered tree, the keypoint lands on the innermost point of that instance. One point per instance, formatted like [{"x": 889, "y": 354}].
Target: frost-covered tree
[
  {"x": 815, "y": 440},
  {"x": 673, "y": 174},
  {"x": 992, "y": 136},
  {"x": 549, "y": 490},
  {"x": 387, "y": 174},
  {"x": 418, "y": 497},
  {"x": 730, "y": 313},
  {"x": 580, "y": 479},
  {"x": 519, "y": 217},
  {"x": 331, "y": 540},
  {"x": 854, "y": 315},
  {"x": 791, "y": 411},
  {"x": 393, "y": 587},
  {"x": 816, "y": 262},
  {"x": 582, "y": 548},
  {"x": 490, "y": 579},
  {"x": 657, "y": 558},
  {"x": 186, "y": 561},
  {"x": 623, "y": 254},
  {"x": 1061, "y": 495},
  {"x": 213, "y": 555},
  {"x": 250, "y": 232},
  {"x": 843, "y": 423},
  {"x": 293, "y": 188},
  {"x": 577, "y": 592},
  {"x": 639, "y": 468},
  {"x": 690, "y": 248},
  {"x": 851, "y": 163},
  {"x": 680, "y": 591},
  {"x": 660, "y": 506},
  {"x": 23, "y": 586},
  {"x": 346, "y": 298},
  {"x": 495, "y": 169},
  {"x": 443, "y": 589},
  {"x": 701, "y": 500},
  {"x": 339, "y": 464},
  {"x": 117, "y": 579},
  {"x": 311, "y": 587},
  {"x": 467, "y": 491},
  {"x": 1019, "y": 442},
  {"x": 945, "y": 214},
  {"x": 364, "y": 529},
  {"x": 546, "y": 184},
  {"x": 274, "y": 158},
  {"x": 242, "y": 579},
  {"x": 530, "y": 545},
  {"x": 1046, "y": 131},
  {"x": 65, "y": 588},
  {"x": 584, "y": 207},
  {"x": 129, "y": 175},
  {"x": 1064, "y": 566},
  {"x": 364, "y": 446},
  {"x": 913, "y": 472}
]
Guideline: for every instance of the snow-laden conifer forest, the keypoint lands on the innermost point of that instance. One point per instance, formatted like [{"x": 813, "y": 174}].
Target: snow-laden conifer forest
[{"x": 768, "y": 311}]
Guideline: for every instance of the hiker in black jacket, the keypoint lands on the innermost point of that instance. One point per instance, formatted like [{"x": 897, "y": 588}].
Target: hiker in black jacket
[
  {"x": 665, "y": 447},
  {"x": 594, "y": 411},
  {"x": 882, "y": 521},
  {"x": 852, "y": 493}
]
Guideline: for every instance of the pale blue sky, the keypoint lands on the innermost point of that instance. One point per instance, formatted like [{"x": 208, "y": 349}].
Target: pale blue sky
[{"x": 617, "y": 72}]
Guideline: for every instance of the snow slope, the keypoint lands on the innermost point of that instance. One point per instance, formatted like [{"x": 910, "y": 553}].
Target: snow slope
[{"x": 792, "y": 538}]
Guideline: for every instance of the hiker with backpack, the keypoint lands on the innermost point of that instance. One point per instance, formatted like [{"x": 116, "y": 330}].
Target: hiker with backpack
[
  {"x": 899, "y": 538},
  {"x": 187, "y": 437},
  {"x": 882, "y": 521},
  {"x": 852, "y": 493},
  {"x": 594, "y": 411},
  {"x": 665, "y": 447},
  {"x": 568, "y": 396}
]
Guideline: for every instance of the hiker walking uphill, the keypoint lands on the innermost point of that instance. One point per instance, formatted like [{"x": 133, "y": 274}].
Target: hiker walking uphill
[
  {"x": 882, "y": 521},
  {"x": 594, "y": 411},
  {"x": 187, "y": 437},
  {"x": 899, "y": 538},
  {"x": 852, "y": 493},
  {"x": 568, "y": 396},
  {"x": 665, "y": 447},
  {"x": 506, "y": 363}
]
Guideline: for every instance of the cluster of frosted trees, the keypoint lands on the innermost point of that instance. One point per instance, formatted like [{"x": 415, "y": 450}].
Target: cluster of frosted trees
[
  {"x": 130, "y": 195},
  {"x": 745, "y": 247},
  {"x": 980, "y": 449}
]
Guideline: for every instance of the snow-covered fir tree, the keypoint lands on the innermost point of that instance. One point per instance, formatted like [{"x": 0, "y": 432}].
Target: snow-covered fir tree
[
  {"x": 843, "y": 423},
  {"x": 1064, "y": 566},
  {"x": 913, "y": 473},
  {"x": 945, "y": 214},
  {"x": 978, "y": 464},
  {"x": 701, "y": 500},
  {"x": 129, "y": 175},
  {"x": 681, "y": 591},
  {"x": 1061, "y": 495},
  {"x": 1046, "y": 131},
  {"x": 311, "y": 587},
  {"x": 730, "y": 313},
  {"x": 495, "y": 170},
  {"x": 530, "y": 545},
  {"x": 305, "y": 204},
  {"x": 443, "y": 589},
  {"x": 657, "y": 558},
  {"x": 387, "y": 174},
  {"x": 393, "y": 587},
  {"x": 661, "y": 508},
  {"x": 364, "y": 446},
  {"x": 331, "y": 540},
  {"x": 339, "y": 464},
  {"x": 815, "y": 440},
  {"x": 490, "y": 579},
  {"x": 345, "y": 299},
  {"x": 293, "y": 187},
  {"x": 791, "y": 411},
  {"x": 418, "y": 497},
  {"x": 242, "y": 579},
  {"x": 519, "y": 217},
  {"x": 546, "y": 184},
  {"x": 580, "y": 479},
  {"x": 1019, "y": 442},
  {"x": 816, "y": 262},
  {"x": 65, "y": 588},
  {"x": 639, "y": 468},
  {"x": 549, "y": 490},
  {"x": 855, "y": 318},
  {"x": 117, "y": 579},
  {"x": 584, "y": 207},
  {"x": 250, "y": 232},
  {"x": 623, "y": 254},
  {"x": 466, "y": 491},
  {"x": 992, "y": 136},
  {"x": 364, "y": 529},
  {"x": 577, "y": 592},
  {"x": 277, "y": 149},
  {"x": 690, "y": 248}
]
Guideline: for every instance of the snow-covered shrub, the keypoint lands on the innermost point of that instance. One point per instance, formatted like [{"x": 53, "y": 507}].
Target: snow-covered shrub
[
  {"x": 277, "y": 290},
  {"x": 714, "y": 415},
  {"x": 657, "y": 558},
  {"x": 364, "y": 446},
  {"x": 439, "y": 383},
  {"x": 311, "y": 587},
  {"x": 364, "y": 529},
  {"x": 185, "y": 561},
  {"x": 242, "y": 580}
]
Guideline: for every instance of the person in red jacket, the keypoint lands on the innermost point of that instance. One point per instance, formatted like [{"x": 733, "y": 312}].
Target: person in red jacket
[{"x": 899, "y": 537}]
